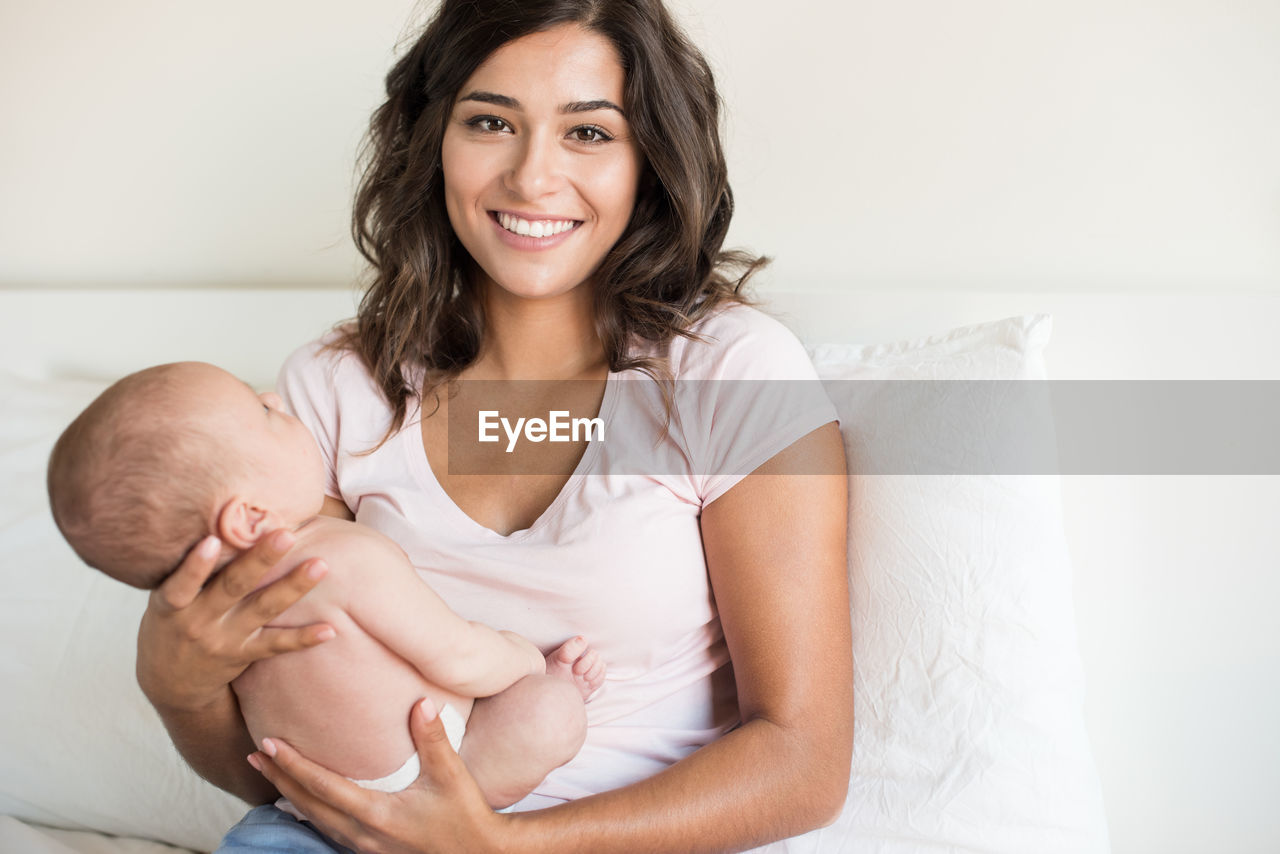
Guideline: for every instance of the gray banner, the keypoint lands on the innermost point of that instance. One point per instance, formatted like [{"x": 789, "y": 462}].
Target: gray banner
[{"x": 638, "y": 427}]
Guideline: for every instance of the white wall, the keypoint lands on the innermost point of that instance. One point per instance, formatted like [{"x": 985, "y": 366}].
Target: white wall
[{"x": 1057, "y": 144}]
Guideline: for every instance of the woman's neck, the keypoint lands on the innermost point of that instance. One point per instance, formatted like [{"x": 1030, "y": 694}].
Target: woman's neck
[{"x": 544, "y": 339}]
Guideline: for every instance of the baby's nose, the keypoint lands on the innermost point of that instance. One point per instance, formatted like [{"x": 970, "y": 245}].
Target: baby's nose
[{"x": 270, "y": 398}]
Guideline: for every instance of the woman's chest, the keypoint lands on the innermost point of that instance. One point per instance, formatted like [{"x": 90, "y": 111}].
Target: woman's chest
[
  {"x": 618, "y": 559},
  {"x": 502, "y": 451}
]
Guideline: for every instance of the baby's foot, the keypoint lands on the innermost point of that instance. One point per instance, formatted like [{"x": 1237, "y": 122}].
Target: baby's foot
[{"x": 578, "y": 663}]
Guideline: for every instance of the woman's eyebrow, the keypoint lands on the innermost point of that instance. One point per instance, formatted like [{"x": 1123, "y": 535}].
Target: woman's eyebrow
[
  {"x": 491, "y": 98},
  {"x": 512, "y": 104},
  {"x": 591, "y": 106}
]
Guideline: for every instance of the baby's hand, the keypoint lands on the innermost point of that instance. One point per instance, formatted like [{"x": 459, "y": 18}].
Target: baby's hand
[{"x": 578, "y": 663}]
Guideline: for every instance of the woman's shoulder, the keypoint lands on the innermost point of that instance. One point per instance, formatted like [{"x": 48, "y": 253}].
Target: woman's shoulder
[
  {"x": 737, "y": 340},
  {"x": 325, "y": 368},
  {"x": 320, "y": 354}
]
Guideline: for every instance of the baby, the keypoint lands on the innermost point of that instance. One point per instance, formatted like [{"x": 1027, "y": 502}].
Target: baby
[{"x": 174, "y": 453}]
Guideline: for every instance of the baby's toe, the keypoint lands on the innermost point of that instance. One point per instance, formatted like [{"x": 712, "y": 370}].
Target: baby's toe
[
  {"x": 572, "y": 650},
  {"x": 595, "y": 676}
]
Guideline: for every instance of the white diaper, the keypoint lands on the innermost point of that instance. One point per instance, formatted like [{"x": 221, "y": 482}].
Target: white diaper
[
  {"x": 454, "y": 727},
  {"x": 402, "y": 778}
]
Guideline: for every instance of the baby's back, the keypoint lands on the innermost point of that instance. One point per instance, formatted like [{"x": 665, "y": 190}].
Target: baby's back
[{"x": 346, "y": 702}]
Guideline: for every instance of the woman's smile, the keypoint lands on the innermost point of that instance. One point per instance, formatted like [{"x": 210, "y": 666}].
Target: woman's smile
[{"x": 533, "y": 233}]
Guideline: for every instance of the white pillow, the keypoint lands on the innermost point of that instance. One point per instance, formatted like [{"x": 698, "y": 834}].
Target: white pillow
[
  {"x": 968, "y": 723},
  {"x": 80, "y": 747}
]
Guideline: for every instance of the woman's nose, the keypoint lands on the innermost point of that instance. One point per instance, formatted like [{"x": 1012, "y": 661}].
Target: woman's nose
[{"x": 537, "y": 169}]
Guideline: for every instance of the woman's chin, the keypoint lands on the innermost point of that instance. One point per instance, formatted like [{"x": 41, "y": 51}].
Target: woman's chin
[{"x": 533, "y": 289}]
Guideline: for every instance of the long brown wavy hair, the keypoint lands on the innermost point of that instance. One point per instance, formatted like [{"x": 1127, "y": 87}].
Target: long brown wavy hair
[{"x": 423, "y": 310}]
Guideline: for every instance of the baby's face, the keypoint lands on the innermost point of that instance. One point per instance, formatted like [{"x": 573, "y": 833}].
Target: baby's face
[{"x": 285, "y": 472}]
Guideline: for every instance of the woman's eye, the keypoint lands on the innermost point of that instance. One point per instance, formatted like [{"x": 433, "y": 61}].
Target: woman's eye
[
  {"x": 489, "y": 124},
  {"x": 590, "y": 133}
]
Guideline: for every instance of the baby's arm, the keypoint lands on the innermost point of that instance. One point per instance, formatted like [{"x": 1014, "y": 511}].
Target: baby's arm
[{"x": 372, "y": 579}]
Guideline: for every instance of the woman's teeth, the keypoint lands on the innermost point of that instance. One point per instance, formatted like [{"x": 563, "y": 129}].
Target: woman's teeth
[{"x": 535, "y": 228}]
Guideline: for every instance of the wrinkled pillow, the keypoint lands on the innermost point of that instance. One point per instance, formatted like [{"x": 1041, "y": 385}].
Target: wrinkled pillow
[
  {"x": 80, "y": 747},
  {"x": 969, "y": 727}
]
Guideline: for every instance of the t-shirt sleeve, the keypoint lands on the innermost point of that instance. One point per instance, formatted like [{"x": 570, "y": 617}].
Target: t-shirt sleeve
[
  {"x": 308, "y": 388},
  {"x": 745, "y": 393}
]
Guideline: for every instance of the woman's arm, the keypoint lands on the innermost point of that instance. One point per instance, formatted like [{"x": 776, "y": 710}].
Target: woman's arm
[
  {"x": 775, "y": 546},
  {"x": 196, "y": 637}
]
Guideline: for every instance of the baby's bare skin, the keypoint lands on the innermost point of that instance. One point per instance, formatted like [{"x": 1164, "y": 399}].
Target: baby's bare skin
[{"x": 346, "y": 702}]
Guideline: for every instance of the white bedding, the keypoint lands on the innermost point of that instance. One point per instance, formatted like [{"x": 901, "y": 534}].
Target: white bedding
[
  {"x": 969, "y": 738},
  {"x": 17, "y": 837},
  {"x": 1141, "y": 546}
]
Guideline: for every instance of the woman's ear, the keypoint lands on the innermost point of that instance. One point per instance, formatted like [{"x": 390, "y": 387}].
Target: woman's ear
[{"x": 241, "y": 522}]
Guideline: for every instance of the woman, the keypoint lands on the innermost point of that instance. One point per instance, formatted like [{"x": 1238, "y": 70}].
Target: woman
[{"x": 546, "y": 200}]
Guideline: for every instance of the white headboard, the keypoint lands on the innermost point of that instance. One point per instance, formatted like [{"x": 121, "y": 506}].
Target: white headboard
[{"x": 107, "y": 333}]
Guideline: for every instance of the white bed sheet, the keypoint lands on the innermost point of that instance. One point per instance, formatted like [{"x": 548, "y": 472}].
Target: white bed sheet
[{"x": 16, "y": 837}]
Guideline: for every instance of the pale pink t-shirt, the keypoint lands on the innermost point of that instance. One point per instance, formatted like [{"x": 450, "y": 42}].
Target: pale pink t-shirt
[{"x": 617, "y": 557}]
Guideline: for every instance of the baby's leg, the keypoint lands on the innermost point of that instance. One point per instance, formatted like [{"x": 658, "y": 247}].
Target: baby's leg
[{"x": 514, "y": 739}]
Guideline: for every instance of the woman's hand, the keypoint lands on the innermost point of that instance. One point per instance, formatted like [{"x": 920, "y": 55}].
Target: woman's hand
[
  {"x": 196, "y": 637},
  {"x": 443, "y": 811}
]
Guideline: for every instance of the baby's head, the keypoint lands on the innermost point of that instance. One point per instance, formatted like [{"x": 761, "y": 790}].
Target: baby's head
[{"x": 171, "y": 454}]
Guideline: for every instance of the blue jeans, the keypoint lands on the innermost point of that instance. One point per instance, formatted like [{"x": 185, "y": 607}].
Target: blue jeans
[{"x": 266, "y": 828}]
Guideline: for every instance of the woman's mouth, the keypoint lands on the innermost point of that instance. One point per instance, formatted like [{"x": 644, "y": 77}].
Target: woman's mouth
[{"x": 535, "y": 228}]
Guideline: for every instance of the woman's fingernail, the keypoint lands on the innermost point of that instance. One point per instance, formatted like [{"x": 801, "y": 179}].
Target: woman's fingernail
[
  {"x": 283, "y": 540},
  {"x": 428, "y": 708},
  {"x": 269, "y": 747},
  {"x": 326, "y": 634},
  {"x": 210, "y": 547},
  {"x": 317, "y": 570},
  {"x": 255, "y": 762}
]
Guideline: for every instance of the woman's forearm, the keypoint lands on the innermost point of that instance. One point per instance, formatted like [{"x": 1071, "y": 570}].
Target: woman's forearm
[
  {"x": 759, "y": 783},
  {"x": 214, "y": 741}
]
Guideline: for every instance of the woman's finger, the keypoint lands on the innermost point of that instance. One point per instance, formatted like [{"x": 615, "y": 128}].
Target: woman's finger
[
  {"x": 455, "y": 806},
  {"x": 427, "y": 730},
  {"x": 183, "y": 585},
  {"x": 263, "y": 606},
  {"x": 314, "y": 784},
  {"x": 271, "y": 642},
  {"x": 337, "y": 825},
  {"x": 239, "y": 578},
  {"x": 441, "y": 766}
]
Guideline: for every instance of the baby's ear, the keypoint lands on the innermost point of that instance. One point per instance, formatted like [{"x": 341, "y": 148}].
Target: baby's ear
[{"x": 241, "y": 522}]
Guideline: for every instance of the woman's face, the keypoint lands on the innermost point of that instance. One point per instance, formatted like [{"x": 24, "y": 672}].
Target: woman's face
[{"x": 540, "y": 168}]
